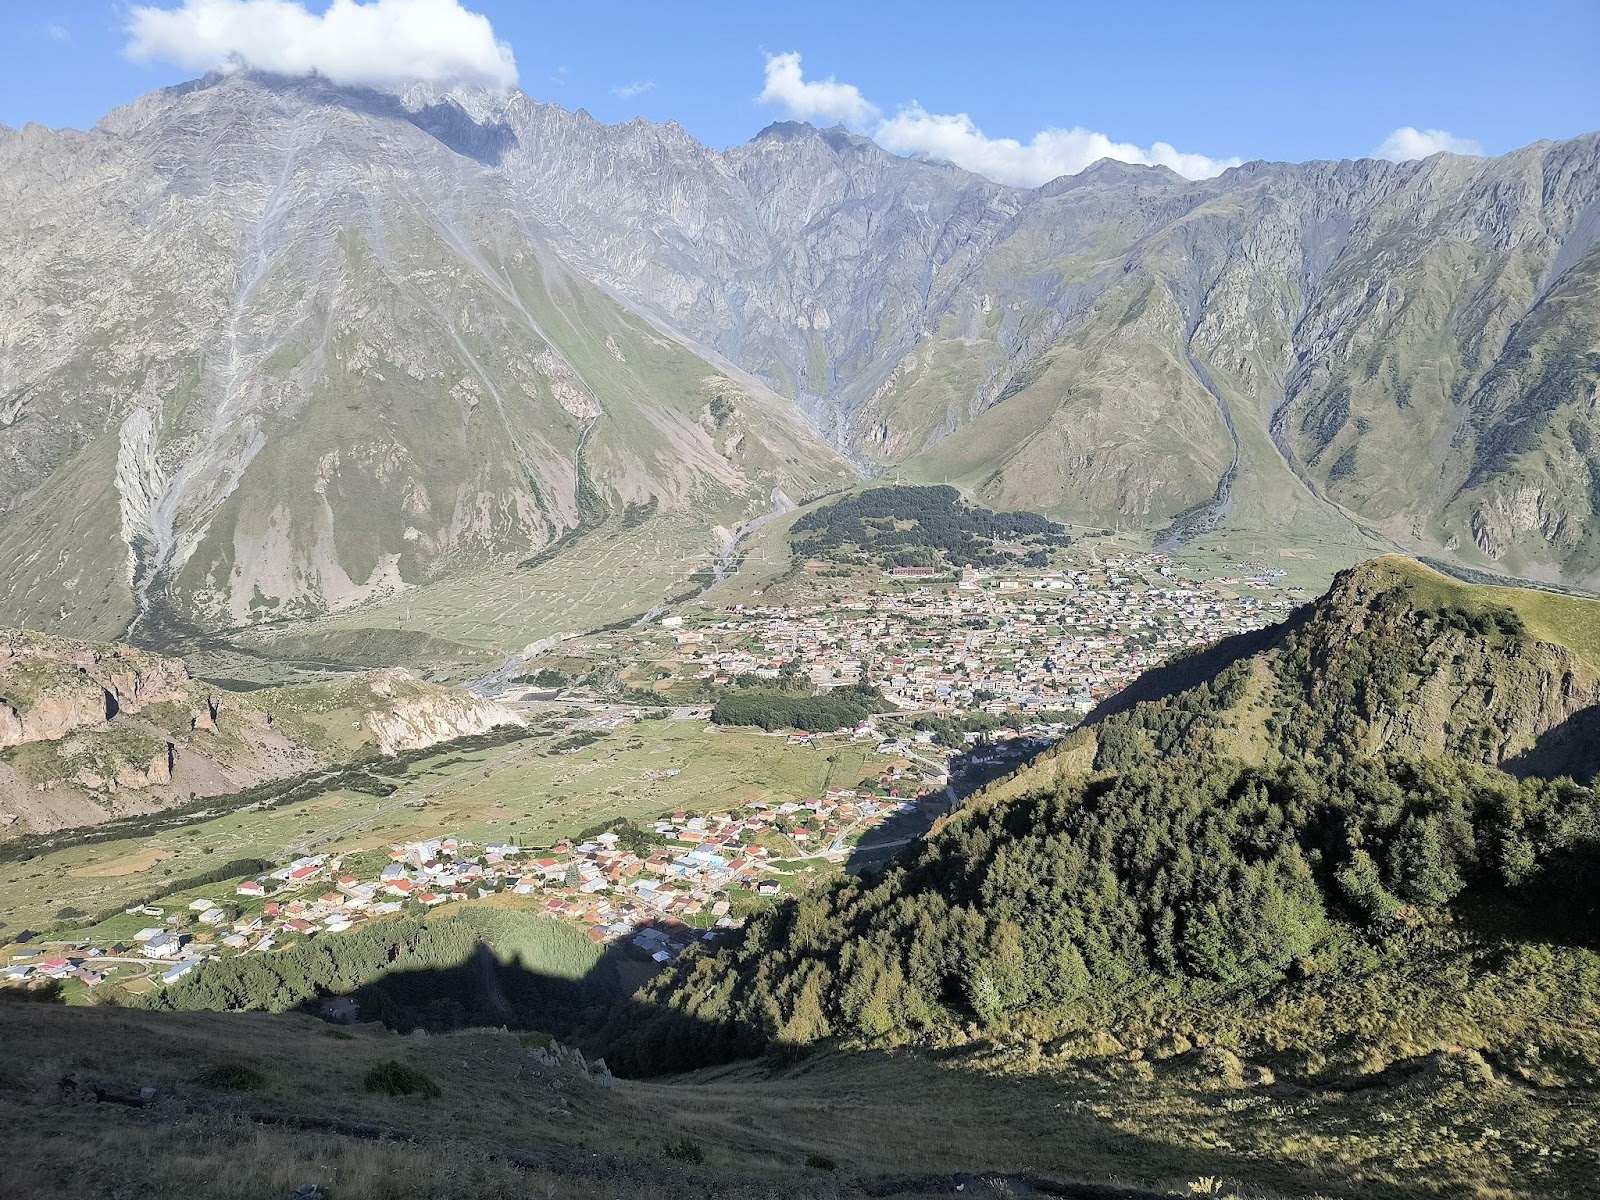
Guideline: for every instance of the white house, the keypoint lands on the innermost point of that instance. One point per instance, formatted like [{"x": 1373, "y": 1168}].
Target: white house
[{"x": 163, "y": 945}]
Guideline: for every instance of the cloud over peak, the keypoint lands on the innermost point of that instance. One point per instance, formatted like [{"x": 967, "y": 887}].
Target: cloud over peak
[
  {"x": 379, "y": 43},
  {"x": 826, "y": 100},
  {"x": 1406, "y": 143},
  {"x": 1050, "y": 153},
  {"x": 956, "y": 137}
]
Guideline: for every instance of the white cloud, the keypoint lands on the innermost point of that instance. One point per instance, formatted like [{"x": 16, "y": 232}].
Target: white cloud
[
  {"x": 957, "y": 138},
  {"x": 382, "y": 43},
  {"x": 1406, "y": 143},
  {"x": 628, "y": 91},
  {"x": 58, "y": 33},
  {"x": 813, "y": 99},
  {"x": 1048, "y": 154}
]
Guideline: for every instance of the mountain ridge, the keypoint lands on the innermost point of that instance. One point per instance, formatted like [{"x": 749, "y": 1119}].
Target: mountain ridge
[{"x": 1336, "y": 351}]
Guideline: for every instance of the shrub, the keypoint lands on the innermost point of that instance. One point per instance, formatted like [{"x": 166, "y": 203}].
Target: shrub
[
  {"x": 396, "y": 1079},
  {"x": 686, "y": 1150},
  {"x": 821, "y": 1162},
  {"x": 232, "y": 1077}
]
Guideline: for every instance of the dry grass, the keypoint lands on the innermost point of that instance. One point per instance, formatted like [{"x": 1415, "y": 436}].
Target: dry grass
[
  {"x": 909, "y": 1120},
  {"x": 133, "y": 863}
]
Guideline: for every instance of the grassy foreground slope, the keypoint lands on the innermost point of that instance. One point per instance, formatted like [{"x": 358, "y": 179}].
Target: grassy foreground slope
[{"x": 251, "y": 1106}]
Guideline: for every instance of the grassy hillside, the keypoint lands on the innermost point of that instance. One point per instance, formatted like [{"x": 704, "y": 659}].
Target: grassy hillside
[
  {"x": 1396, "y": 656},
  {"x": 987, "y": 1118},
  {"x": 1289, "y": 863}
]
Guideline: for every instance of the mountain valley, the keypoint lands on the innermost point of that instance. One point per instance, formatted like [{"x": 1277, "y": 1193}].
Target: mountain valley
[
  {"x": 481, "y": 326},
  {"x": 546, "y": 656}
]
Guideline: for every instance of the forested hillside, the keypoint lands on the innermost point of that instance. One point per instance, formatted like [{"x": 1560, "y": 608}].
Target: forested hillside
[
  {"x": 1164, "y": 888},
  {"x": 1221, "y": 858},
  {"x": 1395, "y": 656}
]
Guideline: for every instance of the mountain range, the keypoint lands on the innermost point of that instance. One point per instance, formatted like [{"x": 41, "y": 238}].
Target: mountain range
[{"x": 277, "y": 348}]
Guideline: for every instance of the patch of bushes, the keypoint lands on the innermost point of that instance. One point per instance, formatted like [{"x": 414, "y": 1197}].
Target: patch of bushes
[
  {"x": 769, "y": 710},
  {"x": 685, "y": 1150},
  {"x": 232, "y": 1077},
  {"x": 396, "y": 1079}
]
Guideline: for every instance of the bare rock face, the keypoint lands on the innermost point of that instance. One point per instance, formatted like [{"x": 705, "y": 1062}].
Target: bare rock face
[
  {"x": 52, "y": 687},
  {"x": 157, "y": 773},
  {"x": 51, "y": 716},
  {"x": 205, "y": 718},
  {"x": 417, "y": 721}
]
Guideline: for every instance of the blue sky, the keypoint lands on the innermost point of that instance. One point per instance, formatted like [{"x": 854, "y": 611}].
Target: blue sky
[{"x": 1216, "y": 82}]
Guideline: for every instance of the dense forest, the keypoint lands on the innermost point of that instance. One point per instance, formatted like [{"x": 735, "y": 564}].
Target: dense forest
[
  {"x": 773, "y": 708},
  {"x": 925, "y": 527},
  {"x": 1179, "y": 879}
]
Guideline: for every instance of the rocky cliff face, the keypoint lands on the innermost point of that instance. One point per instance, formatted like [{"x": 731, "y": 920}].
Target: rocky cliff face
[
  {"x": 1309, "y": 348},
  {"x": 89, "y": 731},
  {"x": 53, "y": 687},
  {"x": 415, "y": 722}
]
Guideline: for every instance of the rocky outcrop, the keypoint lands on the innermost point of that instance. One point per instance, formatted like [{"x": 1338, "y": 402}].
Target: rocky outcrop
[
  {"x": 53, "y": 687},
  {"x": 558, "y": 1061},
  {"x": 122, "y": 730},
  {"x": 51, "y": 716},
  {"x": 417, "y": 721},
  {"x": 156, "y": 773}
]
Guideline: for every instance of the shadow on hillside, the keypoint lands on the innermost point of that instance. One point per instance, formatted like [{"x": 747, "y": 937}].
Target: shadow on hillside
[
  {"x": 1568, "y": 916},
  {"x": 1569, "y": 749},
  {"x": 970, "y": 770},
  {"x": 1190, "y": 670},
  {"x": 884, "y": 843},
  {"x": 599, "y": 1011},
  {"x": 942, "y": 1122}
]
